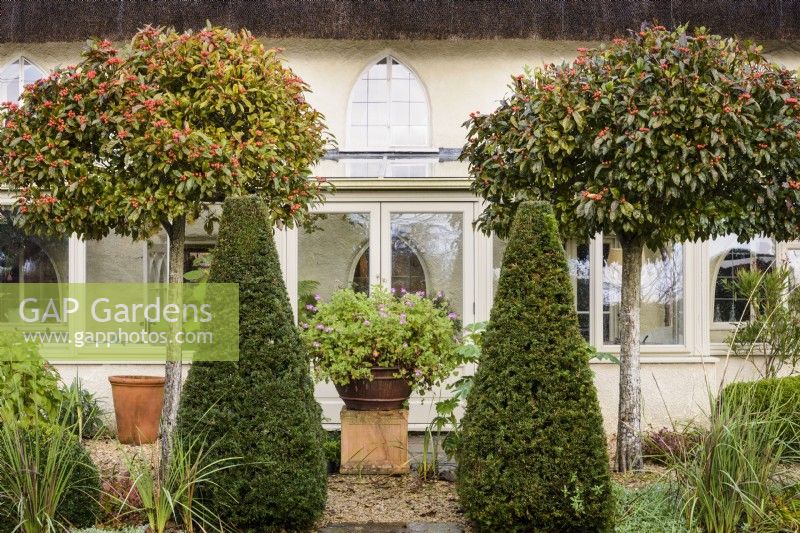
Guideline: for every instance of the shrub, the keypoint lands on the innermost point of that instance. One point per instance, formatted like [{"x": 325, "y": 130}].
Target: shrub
[
  {"x": 728, "y": 480},
  {"x": 353, "y": 332},
  {"x": 47, "y": 478},
  {"x": 664, "y": 445},
  {"x": 261, "y": 408},
  {"x": 533, "y": 453},
  {"x": 781, "y": 394},
  {"x": 28, "y": 385},
  {"x": 81, "y": 410},
  {"x": 773, "y": 328},
  {"x": 172, "y": 498},
  {"x": 333, "y": 450}
]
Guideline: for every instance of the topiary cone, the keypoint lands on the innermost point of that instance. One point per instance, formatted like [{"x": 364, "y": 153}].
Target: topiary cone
[
  {"x": 261, "y": 408},
  {"x": 533, "y": 452}
]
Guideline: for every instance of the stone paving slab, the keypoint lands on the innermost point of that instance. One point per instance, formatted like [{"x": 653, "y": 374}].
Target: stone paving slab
[{"x": 411, "y": 527}]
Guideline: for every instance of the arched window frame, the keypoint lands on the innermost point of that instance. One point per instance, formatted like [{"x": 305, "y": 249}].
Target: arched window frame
[
  {"x": 717, "y": 264},
  {"x": 364, "y": 250},
  {"x": 351, "y": 144},
  {"x": 22, "y": 62}
]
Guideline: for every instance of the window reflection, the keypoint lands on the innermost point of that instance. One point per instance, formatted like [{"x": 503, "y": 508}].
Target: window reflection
[
  {"x": 427, "y": 255},
  {"x": 661, "y": 315},
  {"x": 728, "y": 258},
  {"x": 30, "y": 259}
]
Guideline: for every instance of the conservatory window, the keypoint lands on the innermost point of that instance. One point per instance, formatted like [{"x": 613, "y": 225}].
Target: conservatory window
[
  {"x": 727, "y": 258},
  {"x": 661, "y": 314},
  {"x": 30, "y": 259},
  {"x": 388, "y": 109},
  {"x": 15, "y": 76}
]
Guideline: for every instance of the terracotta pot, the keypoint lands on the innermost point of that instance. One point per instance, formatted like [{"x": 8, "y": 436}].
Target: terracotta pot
[
  {"x": 383, "y": 393},
  {"x": 137, "y": 406}
]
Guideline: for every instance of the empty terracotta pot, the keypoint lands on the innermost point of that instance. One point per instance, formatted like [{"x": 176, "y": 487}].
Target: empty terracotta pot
[{"x": 137, "y": 407}]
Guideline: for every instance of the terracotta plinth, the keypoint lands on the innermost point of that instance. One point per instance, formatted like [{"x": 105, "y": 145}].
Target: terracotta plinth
[{"x": 374, "y": 442}]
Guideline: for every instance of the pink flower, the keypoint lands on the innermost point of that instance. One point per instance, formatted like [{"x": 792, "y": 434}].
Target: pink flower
[{"x": 402, "y": 318}]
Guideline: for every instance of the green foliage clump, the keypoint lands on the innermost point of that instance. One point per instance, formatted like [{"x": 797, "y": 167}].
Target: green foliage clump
[
  {"x": 81, "y": 410},
  {"x": 46, "y": 477},
  {"x": 29, "y": 386},
  {"x": 773, "y": 310},
  {"x": 779, "y": 396},
  {"x": 353, "y": 333},
  {"x": 468, "y": 353},
  {"x": 664, "y": 136},
  {"x": 260, "y": 409},
  {"x": 654, "y": 508},
  {"x": 532, "y": 455},
  {"x": 131, "y": 140},
  {"x": 728, "y": 482}
]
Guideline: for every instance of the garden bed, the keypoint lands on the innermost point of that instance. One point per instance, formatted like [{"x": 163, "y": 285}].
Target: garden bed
[{"x": 354, "y": 499}]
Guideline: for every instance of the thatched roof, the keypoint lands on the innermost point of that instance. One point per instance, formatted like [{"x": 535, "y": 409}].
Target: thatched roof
[{"x": 75, "y": 20}]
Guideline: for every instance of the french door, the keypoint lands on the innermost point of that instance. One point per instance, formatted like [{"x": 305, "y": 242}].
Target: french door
[{"x": 404, "y": 246}]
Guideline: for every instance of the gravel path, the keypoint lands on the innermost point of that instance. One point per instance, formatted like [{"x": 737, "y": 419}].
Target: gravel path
[
  {"x": 361, "y": 499},
  {"x": 351, "y": 498}
]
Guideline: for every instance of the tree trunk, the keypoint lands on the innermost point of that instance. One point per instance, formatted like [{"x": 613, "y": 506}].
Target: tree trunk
[
  {"x": 629, "y": 443},
  {"x": 172, "y": 368}
]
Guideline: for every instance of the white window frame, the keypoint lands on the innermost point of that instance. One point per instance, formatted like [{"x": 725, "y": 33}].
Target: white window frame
[
  {"x": 22, "y": 61},
  {"x": 389, "y": 57},
  {"x": 689, "y": 332},
  {"x": 716, "y": 347}
]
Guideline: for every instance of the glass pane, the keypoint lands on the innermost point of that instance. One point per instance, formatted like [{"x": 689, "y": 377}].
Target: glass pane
[
  {"x": 416, "y": 92},
  {"x": 727, "y": 257},
  {"x": 400, "y": 72},
  {"x": 9, "y": 82},
  {"x": 332, "y": 257},
  {"x": 117, "y": 259},
  {"x": 662, "y": 294},
  {"x": 29, "y": 259},
  {"x": 358, "y": 136},
  {"x": 31, "y": 73},
  {"x": 376, "y": 114},
  {"x": 793, "y": 263},
  {"x": 378, "y": 70},
  {"x": 358, "y": 114},
  {"x": 401, "y": 136},
  {"x": 376, "y": 91},
  {"x": 364, "y": 168},
  {"x": 25, "y": 258},
  {"x": 360, "y": 91},
  {"x": 404, "y": 169},
  {"x": 418, "y": 136},
  {"x": 400, "y": 114},
  {"x": 378, "y": 136},
  {"x": 419, "y": 114},
  {"x": 400, "y": 90},
  {"x": 427, "y": 255},
  {"x": 197, "y": 254}
]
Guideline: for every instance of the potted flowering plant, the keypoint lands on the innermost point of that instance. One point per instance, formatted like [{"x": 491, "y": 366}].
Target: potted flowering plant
[{"x": 378, "y": 348}]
